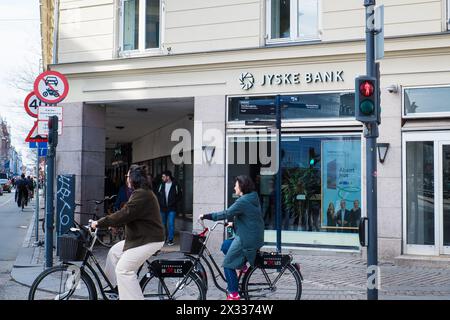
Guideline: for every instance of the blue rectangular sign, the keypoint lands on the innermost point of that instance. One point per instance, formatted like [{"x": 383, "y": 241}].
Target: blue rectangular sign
[
  {"x": 35, "y": 145},
  {"x": 42, "y": 152}
]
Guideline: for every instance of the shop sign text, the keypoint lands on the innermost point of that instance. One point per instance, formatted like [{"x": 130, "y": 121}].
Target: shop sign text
[{"x": 247, "y": 80}]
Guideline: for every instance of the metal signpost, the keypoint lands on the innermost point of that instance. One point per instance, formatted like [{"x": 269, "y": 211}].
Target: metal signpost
[
  {"x": 50, "y": 87},
  {"x": 41, "y": 150}
]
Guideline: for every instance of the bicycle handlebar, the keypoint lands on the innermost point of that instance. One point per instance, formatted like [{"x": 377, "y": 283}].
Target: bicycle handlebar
[{"x": 202, "y": 223}]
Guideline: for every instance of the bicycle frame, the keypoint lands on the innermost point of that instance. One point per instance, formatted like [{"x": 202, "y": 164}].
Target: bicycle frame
[
  {"x": 201, "y": 257},
  {"x": 85, "y": 263}
]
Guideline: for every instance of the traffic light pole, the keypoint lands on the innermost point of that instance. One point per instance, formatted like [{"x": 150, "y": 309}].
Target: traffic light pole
[
  {"x": 278, "y": 211},
  {"x": 49, "y": 216},
  {"x": 371, "y": 134},
  {"x": 49, "y": 208}
]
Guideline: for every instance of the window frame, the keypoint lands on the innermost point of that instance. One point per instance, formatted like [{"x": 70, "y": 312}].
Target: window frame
[
  {"x": 423, "y": 114},
  {"x": 293, "y": 25},
  {"x": 447, "y": 19},
  {"x": 141, "y": 39}
]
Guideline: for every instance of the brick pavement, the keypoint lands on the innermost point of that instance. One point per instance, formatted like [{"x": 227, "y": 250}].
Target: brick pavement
[{"x": 327, "y": 275}]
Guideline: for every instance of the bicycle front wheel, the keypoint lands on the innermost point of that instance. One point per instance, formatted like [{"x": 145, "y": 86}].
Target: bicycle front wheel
[
  {"x": 188, "y": 288},
  {"x": 270, "y": 284},
  {"x": 63, "y": 282}
]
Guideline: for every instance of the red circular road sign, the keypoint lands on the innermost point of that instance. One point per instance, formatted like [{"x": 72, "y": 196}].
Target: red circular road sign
[
  {"x": 51, "y": 87},
  {"x": 32, "y": 103}
]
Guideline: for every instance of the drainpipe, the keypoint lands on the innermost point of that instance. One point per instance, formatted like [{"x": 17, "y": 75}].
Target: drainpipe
[{"x": 55, "y": 32}]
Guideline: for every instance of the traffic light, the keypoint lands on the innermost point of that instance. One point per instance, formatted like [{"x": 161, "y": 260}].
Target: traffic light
[
  {"x": 313, "y": 157},
  {"x": 53, "y": 131},
  {"x": 366, "y": 99}
]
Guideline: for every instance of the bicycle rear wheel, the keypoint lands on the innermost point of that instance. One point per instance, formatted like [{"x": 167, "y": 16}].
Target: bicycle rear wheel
[
  {"x": 63, "y": 282},
  {"x": 269, "y": 284},
  {"x": 191, "y": 289}
]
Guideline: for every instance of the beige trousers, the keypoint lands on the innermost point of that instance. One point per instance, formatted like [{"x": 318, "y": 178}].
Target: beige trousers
[{"x": 121, "y": 267}]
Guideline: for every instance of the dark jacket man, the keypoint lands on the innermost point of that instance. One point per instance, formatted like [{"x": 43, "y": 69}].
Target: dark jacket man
[{"x": 173, "y": 199}]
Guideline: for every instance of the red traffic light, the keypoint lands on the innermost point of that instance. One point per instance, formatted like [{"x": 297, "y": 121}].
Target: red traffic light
[{"x": 366, "y": 88}]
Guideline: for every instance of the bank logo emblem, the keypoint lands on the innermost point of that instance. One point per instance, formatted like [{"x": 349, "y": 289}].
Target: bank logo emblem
[{"x": 247, "y": 80}]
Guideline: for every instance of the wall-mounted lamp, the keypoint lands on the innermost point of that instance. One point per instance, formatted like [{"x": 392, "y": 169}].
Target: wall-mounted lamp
[
  {"x": 209, "y": 152},
  {"x": 382, "y": 151},
  {"x": 393, "y": 88}
]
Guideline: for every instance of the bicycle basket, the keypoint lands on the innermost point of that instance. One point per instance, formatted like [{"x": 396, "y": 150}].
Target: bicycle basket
[
  {"x": 191, "y": 242},
  {"x": 272, "y": 260},
  {"x": 71, "y": 246},
  {"x": 171, "y": 268}
]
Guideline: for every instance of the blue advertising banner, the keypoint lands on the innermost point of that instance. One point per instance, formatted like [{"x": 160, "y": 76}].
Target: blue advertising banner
[{"x": 341, "y": 183}]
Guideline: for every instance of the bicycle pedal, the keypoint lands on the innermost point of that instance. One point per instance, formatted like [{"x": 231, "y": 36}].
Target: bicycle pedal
[{"x": 112, "y": 296}]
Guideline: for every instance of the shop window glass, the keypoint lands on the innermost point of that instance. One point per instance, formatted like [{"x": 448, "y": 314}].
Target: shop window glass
[
  {"x": 420, "y": 199},
  {"x": 321, "y": 186},
  {"x": 427, "y": 102}
]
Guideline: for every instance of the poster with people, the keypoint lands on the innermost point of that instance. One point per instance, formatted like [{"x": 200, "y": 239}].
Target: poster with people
[{"x": 341, "y": 184}]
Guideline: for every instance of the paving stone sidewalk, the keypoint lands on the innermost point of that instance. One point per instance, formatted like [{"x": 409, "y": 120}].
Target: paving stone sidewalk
[{"x": 327, "y": 275}]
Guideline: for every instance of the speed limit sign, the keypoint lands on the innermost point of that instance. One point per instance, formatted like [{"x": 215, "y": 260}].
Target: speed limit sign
[{"x": 32, "y": 103}]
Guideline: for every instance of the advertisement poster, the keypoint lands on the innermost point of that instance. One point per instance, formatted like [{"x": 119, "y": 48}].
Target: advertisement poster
[{"x": 341, "y": 180}]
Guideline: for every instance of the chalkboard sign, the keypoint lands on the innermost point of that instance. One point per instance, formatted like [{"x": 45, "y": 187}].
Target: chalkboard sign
[{"x": 65, "y": 203}]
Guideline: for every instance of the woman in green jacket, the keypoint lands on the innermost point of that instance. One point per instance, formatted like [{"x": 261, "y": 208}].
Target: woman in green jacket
[
  {"x": 249, "y": 231},
  {"x": 144, "y": 235}
]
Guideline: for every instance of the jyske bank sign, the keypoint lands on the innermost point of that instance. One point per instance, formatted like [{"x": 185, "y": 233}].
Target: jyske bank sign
[{"x": 248, "y": 80}]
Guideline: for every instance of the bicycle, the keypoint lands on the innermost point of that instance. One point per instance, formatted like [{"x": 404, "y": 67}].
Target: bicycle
[
  {"x": 274, "y": 275},
  {"x": 71, "y": 281},
  {"x": 107, "y": 236}
]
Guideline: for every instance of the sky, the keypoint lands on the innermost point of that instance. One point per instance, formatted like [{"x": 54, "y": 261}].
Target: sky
[{"x": 20, "y": 53}]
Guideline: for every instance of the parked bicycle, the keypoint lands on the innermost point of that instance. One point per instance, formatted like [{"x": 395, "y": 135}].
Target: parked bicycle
[
  {"x": 274, "y": 276},
  {"x": 164, "y": 279},
  {"x": 106, "y": 236}
]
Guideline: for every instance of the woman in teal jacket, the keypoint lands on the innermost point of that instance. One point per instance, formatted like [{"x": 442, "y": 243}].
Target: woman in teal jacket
[{"x": 249, "y": 231}]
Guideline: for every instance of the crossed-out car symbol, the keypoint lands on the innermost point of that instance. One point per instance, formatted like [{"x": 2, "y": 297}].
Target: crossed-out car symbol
[{"x": 51, "y": 80}]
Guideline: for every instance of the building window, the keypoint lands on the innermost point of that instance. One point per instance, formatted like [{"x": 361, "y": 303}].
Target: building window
[
  {"x": 448, "y": 14},
  {"x": 292, "y": 20},
  {"x": 141, "y": 22},
  {"x": 426, "y": 102}
]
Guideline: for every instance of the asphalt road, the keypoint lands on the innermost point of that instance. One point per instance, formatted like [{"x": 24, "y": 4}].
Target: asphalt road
[{"x": 13, "y": 228}]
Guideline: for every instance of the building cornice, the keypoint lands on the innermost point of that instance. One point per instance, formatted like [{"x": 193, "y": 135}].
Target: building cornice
[{"x": 320, "y": 52}]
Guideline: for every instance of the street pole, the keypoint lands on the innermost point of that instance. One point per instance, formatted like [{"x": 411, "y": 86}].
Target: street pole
[
  {"x": 36, "y": 242},
  {"x": 49, "y": 209},
  {"x": 52, "y": 143},
  {"x": 371, "y": 134},
  {"x": 278, "y": 193}
]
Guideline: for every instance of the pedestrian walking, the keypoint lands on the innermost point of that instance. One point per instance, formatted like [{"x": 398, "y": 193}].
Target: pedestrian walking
[{"x": 169, "y": 197}]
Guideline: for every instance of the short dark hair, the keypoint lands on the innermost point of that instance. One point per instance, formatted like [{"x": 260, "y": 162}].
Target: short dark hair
[
  {"x": 138, "y": 177},
  {"x": 168, "y": 173},
  {"x": 245, "y": 184}
]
